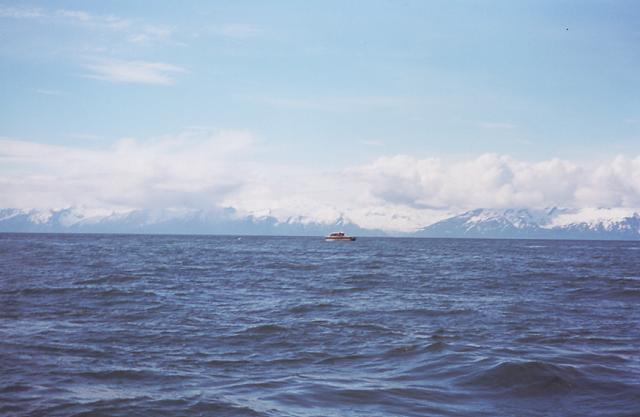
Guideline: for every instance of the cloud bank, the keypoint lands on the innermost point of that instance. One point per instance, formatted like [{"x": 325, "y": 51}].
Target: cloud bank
[
  {"x": 500, "y": 181},
  {"x": 193, "y": 169},
  {"x": 203, "y": 169}
]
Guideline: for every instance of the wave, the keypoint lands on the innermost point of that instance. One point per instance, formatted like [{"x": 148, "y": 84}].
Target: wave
[
  {"x": 126, "y": 375},
  {"x": 12, "y": 410},
  {"x": 364, "y": 277},
  {"x": 292, "y": 266},
  {"x": 46, "y": 291},
  {"x": 368, "y": 399},
  {"x": 342, "y": 290},
  {"x": 265, "y": 329},
  {"x": 107, "y": 279},
  {"x": 625, "y": 293},
  {"x": 310, "y": 307},
  {"x": 12, "y": 388},
  {"x": 414, "y": 350},
  {"x": 369, "y": 327},
  {"x": 528, "y": 378},
  {"x": 429, "y": 312},
  {"x": 196, "y": 326},
  {"x": 108, "y": 293},
  {"x": 223, "y": 363},
  {"x": 341, "y": 359},
  {"x": 145, "y": 405}
]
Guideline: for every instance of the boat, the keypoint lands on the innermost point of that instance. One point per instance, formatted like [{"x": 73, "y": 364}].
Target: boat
[{"x": 339, "y": 236}]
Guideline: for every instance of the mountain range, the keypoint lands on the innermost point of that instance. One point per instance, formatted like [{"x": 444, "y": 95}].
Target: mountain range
[
  {"x": 223, "y": 221},
  {"x": 551, "y": 223}
]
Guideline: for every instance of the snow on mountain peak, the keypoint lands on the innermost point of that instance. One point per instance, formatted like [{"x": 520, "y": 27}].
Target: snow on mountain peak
[
  {"x": 519, "y": 218},
  {"x": 40, "y": 216},
  {"x": 593, "y": 217},
  {"x": 586, "y": 223}
]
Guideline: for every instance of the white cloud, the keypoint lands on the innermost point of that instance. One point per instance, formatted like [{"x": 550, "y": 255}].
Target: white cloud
[
  {"x": 192, "y": 169},
  {"x": 498, "y": 181},
  {"x": 47, "y": 92},
  {"x": 201, "y": 169},
  {"x": 77, "y": 15},
  {"x": 133, "y": 71},
  {"x": 134, "y": 30},
  {"x": 592, "y": 216},
  {"x": 21, "y": 12},
  {"x": 150, "y": 33},
  {"x": 403, "y": 193}
]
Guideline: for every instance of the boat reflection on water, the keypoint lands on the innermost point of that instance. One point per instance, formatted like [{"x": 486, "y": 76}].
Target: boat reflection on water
[{"x": 339, "y": 236}]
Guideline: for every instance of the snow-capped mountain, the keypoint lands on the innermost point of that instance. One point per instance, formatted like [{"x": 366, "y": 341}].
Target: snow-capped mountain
[
  {"x": 553, "y": 223},
  {"x": 215, "y": 221}
]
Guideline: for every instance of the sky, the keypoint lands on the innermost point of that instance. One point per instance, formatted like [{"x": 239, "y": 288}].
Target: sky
[{"x": 394, "y": 114}]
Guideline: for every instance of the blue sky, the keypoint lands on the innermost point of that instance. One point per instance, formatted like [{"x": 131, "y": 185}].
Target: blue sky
[{"x": 327, "y": 85}]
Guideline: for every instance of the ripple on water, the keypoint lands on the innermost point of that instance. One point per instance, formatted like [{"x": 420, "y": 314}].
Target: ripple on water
[{"x": 209, "y": 325}]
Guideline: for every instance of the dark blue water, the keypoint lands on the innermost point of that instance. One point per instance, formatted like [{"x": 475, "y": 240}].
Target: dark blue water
[{"x": 263, "y": 326}]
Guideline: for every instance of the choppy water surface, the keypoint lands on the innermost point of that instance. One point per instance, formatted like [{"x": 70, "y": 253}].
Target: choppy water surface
[{"x": 264, "y": 326}]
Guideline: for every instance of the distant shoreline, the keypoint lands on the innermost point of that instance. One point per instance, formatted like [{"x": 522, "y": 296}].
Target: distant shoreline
[{"x": 222, "y": 235}]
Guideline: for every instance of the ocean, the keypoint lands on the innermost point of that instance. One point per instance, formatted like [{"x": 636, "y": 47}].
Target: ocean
[{"x": 126, "y": 325}]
